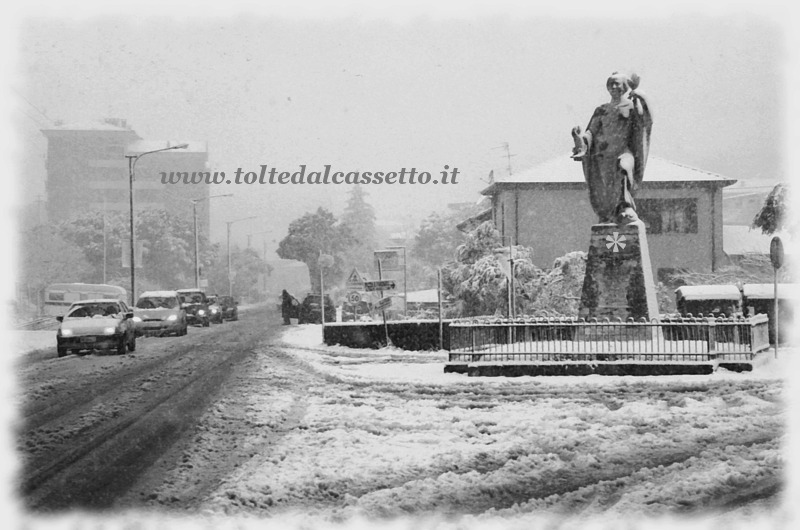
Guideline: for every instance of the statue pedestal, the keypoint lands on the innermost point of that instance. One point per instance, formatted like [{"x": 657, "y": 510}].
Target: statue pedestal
[{"x": 619, "y": 279}]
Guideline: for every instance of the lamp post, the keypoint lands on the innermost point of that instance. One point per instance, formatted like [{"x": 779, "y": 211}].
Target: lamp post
[
  {"x": 197, "y": 239},
  {"x": 229, "y": 223},
  {"x": 132, "y": 159},
  {"x": 405, "y": 280}
]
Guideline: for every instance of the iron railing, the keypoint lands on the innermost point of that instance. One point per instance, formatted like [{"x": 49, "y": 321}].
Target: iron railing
[{"x": 676, "y": 339}]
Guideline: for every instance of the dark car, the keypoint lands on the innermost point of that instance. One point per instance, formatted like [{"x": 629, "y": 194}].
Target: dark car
[
  {"x": 214, "y": 309},
  {"x": 99, "y": 324},
  {"x": 229, "y": 308},
  {"x": 311, "y": 313},
  {"x": 195, "y": 303}
]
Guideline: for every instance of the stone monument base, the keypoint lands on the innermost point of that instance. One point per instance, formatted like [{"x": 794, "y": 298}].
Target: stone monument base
[{"x": 619, "y": 279}]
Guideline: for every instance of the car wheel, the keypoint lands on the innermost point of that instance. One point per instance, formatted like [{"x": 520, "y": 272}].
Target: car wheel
[
  {"x": 122, "y": 347},
  {"x": 62, "y": 352}
]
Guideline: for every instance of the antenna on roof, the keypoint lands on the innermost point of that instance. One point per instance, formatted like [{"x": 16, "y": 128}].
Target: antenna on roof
[{"x": 508, "y": 154}]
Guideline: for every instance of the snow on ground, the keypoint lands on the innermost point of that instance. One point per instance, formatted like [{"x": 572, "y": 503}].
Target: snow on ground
[
  {"x": 393, "y": 437},
  {"x": 20, "y": 342}
]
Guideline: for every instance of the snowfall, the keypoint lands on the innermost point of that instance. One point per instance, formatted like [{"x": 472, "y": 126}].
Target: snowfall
[{"x": 423, "y": 449}]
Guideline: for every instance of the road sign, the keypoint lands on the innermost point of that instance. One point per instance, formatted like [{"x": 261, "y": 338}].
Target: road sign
[
  {"x": 390, "y": 260},
  {"x": 355, "y": 282},
  {"x": 776, "y": 252},
  {"x": 354, "y": 297},
  {"x": 379, "y": 285},
  {"x": 383, "y": 303}
]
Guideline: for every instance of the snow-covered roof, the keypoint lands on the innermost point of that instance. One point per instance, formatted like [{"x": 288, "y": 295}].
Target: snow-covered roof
[
  {"x": 143, "y": 146},
  {"x": 426, "y": 296},
  {"x": 708, "y": 292},
  {"x": 159, "y": 294},
  {"x": 563, "y": 170},
  {"x": 766, "y": 291},
  {"x": 95, "y": 125}
]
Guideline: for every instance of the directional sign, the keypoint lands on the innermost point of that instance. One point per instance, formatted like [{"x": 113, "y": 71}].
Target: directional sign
[
  {"x": 354, "y": 297},
  {"x": 379, "y": 285},
  {"x": 390, "y": 260},
  {"x": 355, "y": 282},
  {"x": 383, "y": 303}
]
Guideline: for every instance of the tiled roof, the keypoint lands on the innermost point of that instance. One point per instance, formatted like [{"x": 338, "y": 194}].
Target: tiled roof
[{"x": 566, "y": 170}]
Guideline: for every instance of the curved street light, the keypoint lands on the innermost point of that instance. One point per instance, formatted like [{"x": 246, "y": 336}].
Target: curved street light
[{"x": 132, "y": 159}]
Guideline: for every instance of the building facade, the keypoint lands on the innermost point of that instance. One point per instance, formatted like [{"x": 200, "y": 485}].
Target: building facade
[
  {"x": 547, "y": 209},
  {"x": 87, "y": 172}
]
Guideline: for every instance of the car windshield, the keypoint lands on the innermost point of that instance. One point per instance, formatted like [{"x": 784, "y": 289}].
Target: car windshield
[
  {"x": 192, "y": 298},
  {"x": 157, "y": 302},
  {"x": 94, "y": 310}
]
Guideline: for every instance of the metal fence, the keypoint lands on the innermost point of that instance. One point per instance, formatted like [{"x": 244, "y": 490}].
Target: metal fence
[{"x": 676, "y": 339}]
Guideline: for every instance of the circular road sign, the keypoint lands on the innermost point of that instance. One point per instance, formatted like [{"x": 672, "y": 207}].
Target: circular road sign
[
  {"x": 776, "y": 252},
  {"x": 354, "y": 297}
]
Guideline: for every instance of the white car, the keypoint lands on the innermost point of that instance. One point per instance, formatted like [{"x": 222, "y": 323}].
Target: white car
[
  {"x": 99, "y": 324},
  {"x": 159, "y": 313}
]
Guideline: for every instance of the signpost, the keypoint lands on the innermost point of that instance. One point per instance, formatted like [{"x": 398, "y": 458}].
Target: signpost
[
  {"x": 389, "y": 260},
  {"x": 776, "y": 257},
  {"x": 379, "y": 285},
  {"x": 384, "y": 303},
  {"x": 354, "y": 297},
  {"x": 355, "y": 281}
]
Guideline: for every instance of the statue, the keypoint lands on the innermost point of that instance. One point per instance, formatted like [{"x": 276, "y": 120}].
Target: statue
[{"x": 614, "y": 148}]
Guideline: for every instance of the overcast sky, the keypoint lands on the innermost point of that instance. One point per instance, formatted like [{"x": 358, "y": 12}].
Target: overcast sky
[{"x": 381, "y": 93}]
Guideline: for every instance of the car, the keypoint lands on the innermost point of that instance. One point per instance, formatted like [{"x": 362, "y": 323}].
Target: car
[
  {"x": 310, "y": 312},
  {"x": 214, "y": 310},
  {"x": 195, "y": 303},
  {"x": 229, "y": 307},
  {"x": 159, "y": 313},
  {"x": 98, "y": 324}
]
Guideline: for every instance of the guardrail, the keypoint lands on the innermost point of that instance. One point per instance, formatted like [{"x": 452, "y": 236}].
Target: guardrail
[
  {"x": 679, "y": 339},
  {"x": 41, "y": 323}
]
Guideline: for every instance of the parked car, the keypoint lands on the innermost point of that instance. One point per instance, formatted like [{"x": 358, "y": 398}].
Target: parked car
[
  {"x": 195, "y": 303},
  {"x": 353, "y": 312},
  {"x": 311, "y": 313},
  {"x": 214, "y": 309},
  {"x": 159, "y": 313},
  {"x": 99, "y": 324},
  {"x": 229, "y": 308}
]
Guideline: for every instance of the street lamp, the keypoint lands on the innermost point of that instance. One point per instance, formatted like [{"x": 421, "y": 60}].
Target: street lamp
[
  {"x": 196, "y": 238},
  {"x": 405, "y": 280},
  {"x": 229, "y": 223},
  {"x": 132, "y": 159}
]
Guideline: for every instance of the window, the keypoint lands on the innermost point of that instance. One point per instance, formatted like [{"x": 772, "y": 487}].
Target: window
[{"x": 668, "y": 216}]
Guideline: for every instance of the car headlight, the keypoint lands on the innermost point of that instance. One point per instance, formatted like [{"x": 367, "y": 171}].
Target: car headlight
[
  {"x": 109, "y": 331},
  {"x": 213, "y": 310},
  {"x": 137, "y": 319},
  {"x": 201, "y": 312},
  {"x": 66, "y": 332},
  {"x": 172, "y": 318}
]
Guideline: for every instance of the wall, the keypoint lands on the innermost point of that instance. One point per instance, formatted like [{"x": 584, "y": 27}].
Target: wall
[{"x": 555, "y": 219}]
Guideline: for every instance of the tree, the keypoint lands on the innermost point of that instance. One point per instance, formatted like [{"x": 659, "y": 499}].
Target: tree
[
  {"x": 167, "y": 246},
  {"x": 775, "y": 215},
  {"x": 314, "y": 234},
  {"x": 359, "y": 219},
  {"x": 47, "y": 258},
  {"x": 477, "y": 279},
  {"x": 438, "y": 239},
  {"x": 247, "y": 267}
]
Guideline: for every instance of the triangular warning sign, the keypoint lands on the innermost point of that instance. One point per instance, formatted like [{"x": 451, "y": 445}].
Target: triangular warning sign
[{"x": 355, "y": 277}]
